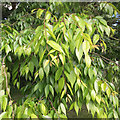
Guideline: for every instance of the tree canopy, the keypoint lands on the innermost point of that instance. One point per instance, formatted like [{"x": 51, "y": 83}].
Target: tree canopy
[{"x": 61, "y": 56}]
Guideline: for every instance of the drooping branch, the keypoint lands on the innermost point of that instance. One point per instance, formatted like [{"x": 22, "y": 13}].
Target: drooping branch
[{"x": 106, "y": 59}]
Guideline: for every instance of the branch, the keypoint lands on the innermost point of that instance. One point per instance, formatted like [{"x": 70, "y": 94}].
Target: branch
[
  {"x": 53, "y": 107},
  {"x": 104, "y": 58},
  {"x": 3, "y": 64}
]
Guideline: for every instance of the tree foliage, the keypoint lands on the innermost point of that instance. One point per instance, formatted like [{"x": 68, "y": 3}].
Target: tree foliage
[{"x": 54, "y": 59}]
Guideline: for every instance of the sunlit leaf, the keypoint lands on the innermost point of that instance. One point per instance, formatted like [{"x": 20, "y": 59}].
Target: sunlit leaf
[
  {"x": 63, "y": 108},
  {"x": 93, "y": 95},
  {"x": 58, "y": 73},
  {"x": 95, "y": 38},
  {"x": 61, "y": 83},
  {"x": 41, "y": 73},
  {"x": 55, "y": 45},
  {"x": 76, "y": 108},
  {"x": 46, "y": 90},
  {"x": 51, "y": 89}
]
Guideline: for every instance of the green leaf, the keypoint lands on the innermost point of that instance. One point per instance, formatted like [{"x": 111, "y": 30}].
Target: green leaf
[
  {"x": 28, "y": 51},
  {"x": 115, "y": 101},
  {"x": 46, "y": 68},
  {"x": 98, "y": 99},
  {"x": 51, "y": 89},
  {"x": 34, "y": 60},
  {"x": 86, "y": 46},
  {"x": 85, "y": 93},
  {"x": 95, "y": 38},
  {"x": 87, "y": 60},
  {"x": 79, "y": 53},
  {"x": 61, "y": 83},
  {"x": 55, "y": 45},
  {"x": 77, "y": 71},
  {"x": 71, "y": 106},
  {"x": 88, "y": 98},
  {"x": 71, "y": 77},
  {"x": 43, "y": 109},
  {"x": 93, "y": 95},
  {"x": 70, "y": 88},
  {"x": 62, "y": 58},
  {"x": 81, "y": 23},
  {"x": 89, "y": 27},
  {"x": 50, "y": 32},
  {"x": 41, "y": 73},
  {"x": 3, "y": 115},
  {"x": 18, "y": 85},
  {"x": 46, "y": 90},
  {"x": 90, "y": 73},
  {"x": 101, "y": 20},
  {"x": 39, "y": 13},
  {"x": 76, "y": 87},
  {"x": 47, "y": 16},
  {"x": 93, "y": 110},
  {"x": 33, "y": 115},
  {"x": 9, "y": 58},
  {"x": 72, "y": 46},
  {"x": 2, "y": 92},
  {"x": 41, "y": 55},
  {"x": 107, "y": 31},
  {"x": 103, "y": 86},
  {"x": 46, "y": 62},
  {"x": 108, "y": 91},
  {"x": 20, "y": 51},
  {"x": 63, "y": 108},
  {"x": 110, "y": 115},
  {"x": 63, "y": 93},
  {"x": 89, "y": 106},
  {"x": 66, "y": 48},
  {"x": 85, "y": 71},
  {"x": 115, "y": 114},
  {"x": 7, "y": 49},
  {"x": 96, "y": 86},
  {"x": 78, "y": 82},
  {"x": 63, "y": 116},
  {"x": 58, "y": 73},
  {"x": 31, "y": 67},
  {"x": 4, "y": 103},
  {"x": 76, "y": 107}
]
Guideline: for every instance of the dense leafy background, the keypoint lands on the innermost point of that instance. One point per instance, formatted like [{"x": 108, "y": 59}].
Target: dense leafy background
[{"x": 60, "y": 56}]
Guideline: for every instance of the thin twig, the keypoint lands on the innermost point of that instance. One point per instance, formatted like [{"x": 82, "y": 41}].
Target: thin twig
[
  {"x": 106, "y": 59},
  {"x": 53, "y": 106},
  {"x": 3, "y": 64}
]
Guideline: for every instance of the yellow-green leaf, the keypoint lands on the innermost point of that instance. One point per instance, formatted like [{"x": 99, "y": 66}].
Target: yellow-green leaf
[
  {"x": 62, "y": 58},
  {"x": 47, "y": 16},
  {"x": 76, "y": 107},
  {"x": 79, "y": 53},
  {"x": 63, "y": 93},
  {"x": 63, "y": 108},
  {"x": 87, "y": 60},
  {"x": 51, "y": 89},
  {"x": 33, "y": 116},
  {"x": 55, "y": 45},
  {"x": 58, "y": 73},
  {"x": 93, "y": 95},
  {"x": 103, "y": 86},
  {"x": 43, "y": 109},
  {"x": 39, "y": 13},
  {"x": 95, "y": 38},
  {"x": 46, "y": 90},
  {"x": 61, "y": 84},
  {"x": 86, "y": 46},
  {"x": 41, "y": 73}
]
